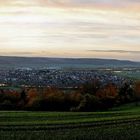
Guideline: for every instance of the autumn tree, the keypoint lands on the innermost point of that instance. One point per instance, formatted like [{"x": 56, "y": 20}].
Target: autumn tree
[{"x": 137, "y": 92}]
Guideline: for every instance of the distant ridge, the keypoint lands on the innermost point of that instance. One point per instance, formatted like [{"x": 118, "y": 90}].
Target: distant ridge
[{"x": 37, "y": 62}]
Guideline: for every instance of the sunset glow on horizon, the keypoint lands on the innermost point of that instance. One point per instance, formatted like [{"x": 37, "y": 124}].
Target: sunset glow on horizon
[{"x": 70, "y": 28}]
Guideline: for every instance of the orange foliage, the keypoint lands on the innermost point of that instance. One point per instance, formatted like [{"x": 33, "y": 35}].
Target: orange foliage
[
  {"x": 50, "y": 91},
  {"x": 75, "y": 96},
  {"x": 109, "y": 90},
  {"x": 31, "y": 95},
  {"x": 12, "y": 94},
  {"x": 137, "y": 89}
]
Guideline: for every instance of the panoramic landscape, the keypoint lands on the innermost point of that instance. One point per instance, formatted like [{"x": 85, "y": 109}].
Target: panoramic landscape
[{"x": 69, "y": 70}]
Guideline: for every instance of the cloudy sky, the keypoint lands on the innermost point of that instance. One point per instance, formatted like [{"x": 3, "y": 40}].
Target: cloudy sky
[{"x": 70, "y": 28}]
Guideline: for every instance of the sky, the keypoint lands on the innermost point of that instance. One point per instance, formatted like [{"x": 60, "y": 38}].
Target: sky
[{"x": 70, "y": 28}]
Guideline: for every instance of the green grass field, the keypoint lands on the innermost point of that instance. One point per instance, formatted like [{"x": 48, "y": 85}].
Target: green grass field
[
  {"x": 120, "y": 123},
  {"x": 135, "y": 75}
]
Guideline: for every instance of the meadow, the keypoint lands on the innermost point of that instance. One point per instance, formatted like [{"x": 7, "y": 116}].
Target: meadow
[
  {"x": 118, "y": 123},
  {"x": 135, "y": 75}
]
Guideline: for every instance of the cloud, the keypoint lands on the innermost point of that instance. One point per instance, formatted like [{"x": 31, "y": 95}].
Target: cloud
[
  {"x": 72, "y": 3},
  {"x": 92, "y": 2},
  {"x": 16, "y": 53},
  {"x": 115, "y": 51},
  {"x": 14, "y": 3},
  {"x": 76, "y": 25}
]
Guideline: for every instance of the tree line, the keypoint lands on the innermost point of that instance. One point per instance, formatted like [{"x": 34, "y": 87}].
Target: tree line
[{"x": 91, "y": 96}]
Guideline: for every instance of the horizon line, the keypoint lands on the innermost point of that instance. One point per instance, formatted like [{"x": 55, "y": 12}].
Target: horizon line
[{"x": 69, "y": 58}]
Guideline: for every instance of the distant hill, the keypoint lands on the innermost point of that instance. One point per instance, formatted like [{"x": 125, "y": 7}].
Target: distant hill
[{"x": 39, "y": 62}]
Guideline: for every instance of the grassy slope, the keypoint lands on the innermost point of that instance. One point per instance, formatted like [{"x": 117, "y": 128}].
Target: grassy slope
[{"x": 120, "y": 123}]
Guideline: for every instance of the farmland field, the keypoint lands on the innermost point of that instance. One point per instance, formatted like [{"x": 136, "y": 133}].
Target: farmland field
[
  {"x": 135, "y": 75},
  {"x": 120, "y": 123}
]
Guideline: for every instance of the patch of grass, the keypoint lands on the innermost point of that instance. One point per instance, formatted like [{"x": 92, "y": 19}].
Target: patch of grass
[
  {"x": 121, "y": 132},
  {"x": 120, "y": 123}
]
